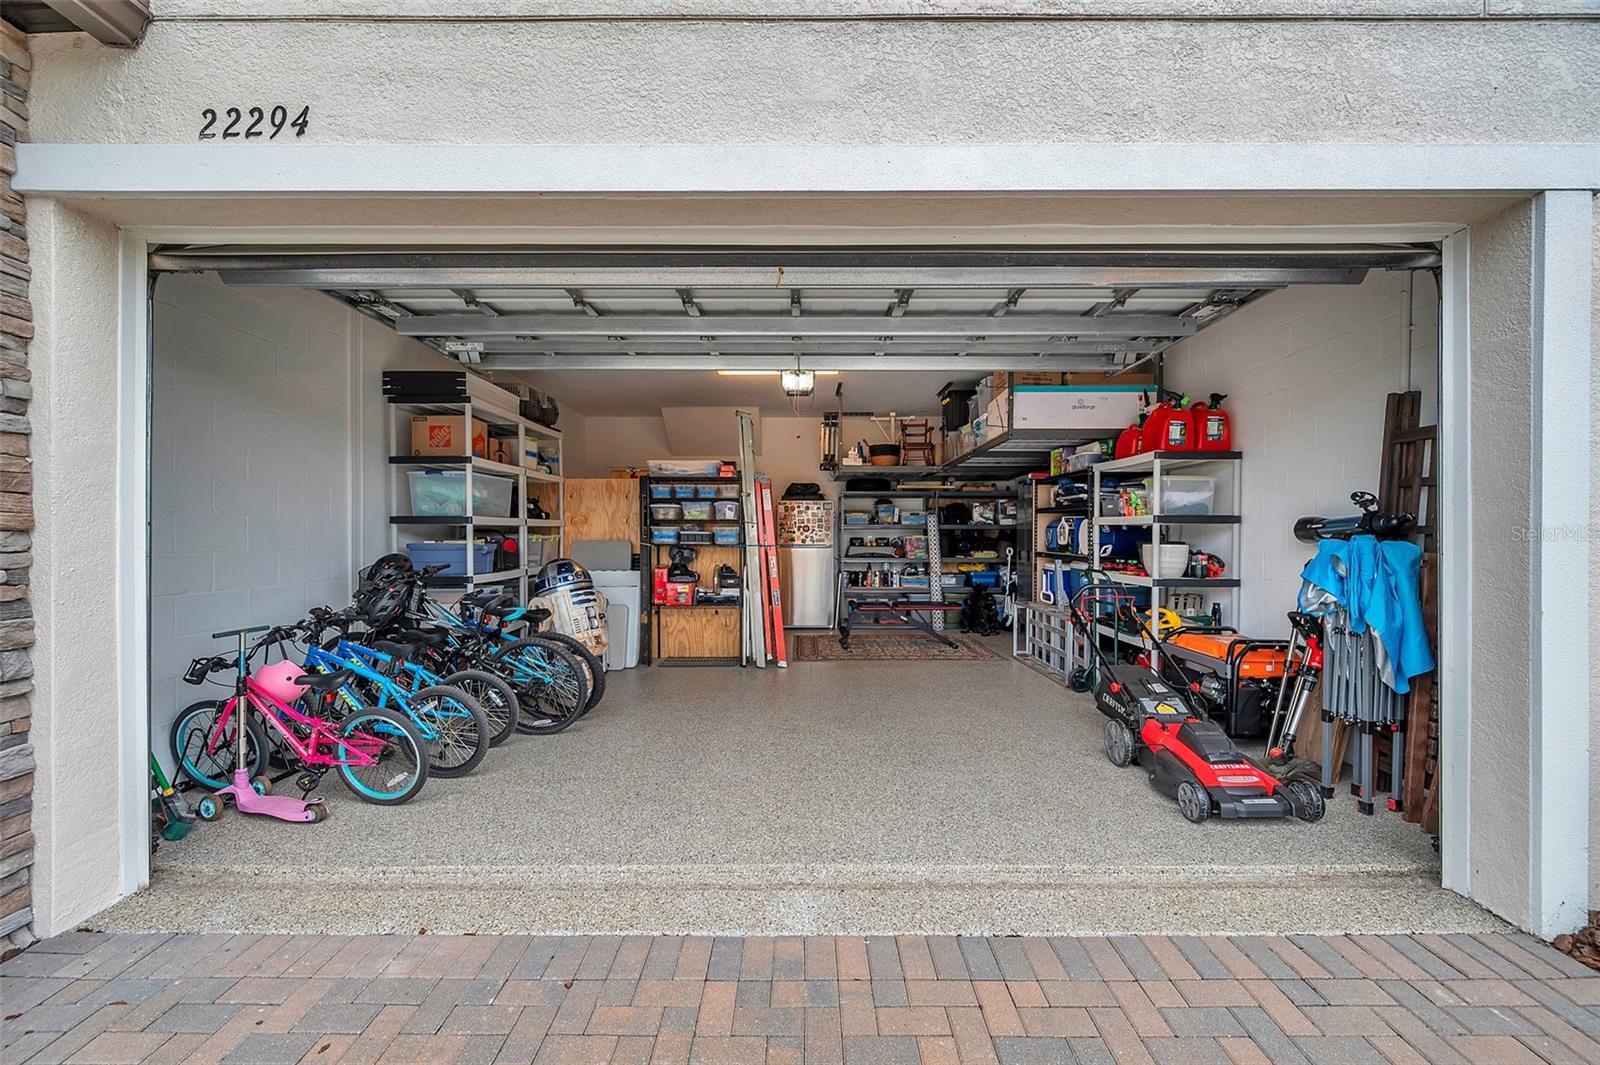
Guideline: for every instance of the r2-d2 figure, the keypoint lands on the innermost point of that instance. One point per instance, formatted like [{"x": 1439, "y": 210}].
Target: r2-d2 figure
[{"x": 576, "y": 606}]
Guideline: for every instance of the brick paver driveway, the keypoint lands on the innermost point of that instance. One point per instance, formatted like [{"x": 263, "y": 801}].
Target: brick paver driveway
[{"x": 87, "y": 997}]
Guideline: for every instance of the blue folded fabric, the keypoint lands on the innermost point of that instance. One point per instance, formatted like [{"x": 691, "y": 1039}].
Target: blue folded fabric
[{"x": 1377, "y": 584}]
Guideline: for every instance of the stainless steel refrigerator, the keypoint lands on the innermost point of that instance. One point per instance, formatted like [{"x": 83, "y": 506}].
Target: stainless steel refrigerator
[{"x": 805, "y": 562}]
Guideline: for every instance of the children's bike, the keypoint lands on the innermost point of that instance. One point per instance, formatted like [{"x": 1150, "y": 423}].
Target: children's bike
[
  {"x": 485, "y": 608},
  {"x": 378, "y": 753},
  {"x": 450, "y": 722},
  {"x": 548, "y": 680},
  {"x": 415, "y": 659}
]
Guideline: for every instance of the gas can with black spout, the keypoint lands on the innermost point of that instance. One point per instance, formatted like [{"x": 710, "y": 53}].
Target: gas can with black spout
[
  {"x": 1168, "y": 426},
  {"x": 1211, "y": 428}
]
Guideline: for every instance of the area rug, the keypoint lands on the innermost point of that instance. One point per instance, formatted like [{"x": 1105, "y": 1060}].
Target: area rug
[{"x": 879, "y": 647}]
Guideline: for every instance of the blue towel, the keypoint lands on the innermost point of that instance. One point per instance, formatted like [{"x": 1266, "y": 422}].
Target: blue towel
[{"x": 1376, "y": 582}]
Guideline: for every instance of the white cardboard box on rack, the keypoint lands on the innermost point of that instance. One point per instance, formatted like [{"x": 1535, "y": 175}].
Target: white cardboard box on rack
[{"x": 1100, "y": 407}]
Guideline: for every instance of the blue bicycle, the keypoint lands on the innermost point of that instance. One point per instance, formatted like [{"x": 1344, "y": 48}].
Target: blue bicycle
[
  {"x": 453, "y": 725},
  {"x": 408, "y": 657}
]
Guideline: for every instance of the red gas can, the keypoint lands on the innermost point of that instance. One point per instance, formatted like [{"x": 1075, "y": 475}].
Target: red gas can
[
  {"x": 1211, "y": 430},
  {"x": 1167, "y": 428},
  {"x": 1128, "y": 442}
]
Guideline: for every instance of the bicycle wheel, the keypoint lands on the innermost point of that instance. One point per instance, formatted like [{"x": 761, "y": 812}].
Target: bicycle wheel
[
  {"x": 497, "y": 698},
  {"x": 213, "y": 769},
  {"x": 594, "y": 671},
  {"x": 549, "y": 685},
  {"x": 460, "y": 729},
  {"x": 398, "y": 765}
]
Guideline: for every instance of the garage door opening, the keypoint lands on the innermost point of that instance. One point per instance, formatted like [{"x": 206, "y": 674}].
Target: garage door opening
[{"x": 924, "y": 778}]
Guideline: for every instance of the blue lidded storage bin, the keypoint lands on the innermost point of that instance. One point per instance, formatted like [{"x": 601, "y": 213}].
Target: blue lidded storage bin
[
  {"x": 683, "y": 491},
  {"x": 452, "y": 553},
  {"x": 725, "y": 537},
  {"x": 706, "y": 491},
  {"x": 661, "y": 491},
  {"x": 663, "y": 536}
]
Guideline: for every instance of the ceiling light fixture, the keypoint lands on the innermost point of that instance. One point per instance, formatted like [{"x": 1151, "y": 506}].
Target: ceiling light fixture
[{"x": 799, "y": 382}]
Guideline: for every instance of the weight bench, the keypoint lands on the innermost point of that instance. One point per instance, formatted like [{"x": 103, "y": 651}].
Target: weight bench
[{"x": 916, "y": 613}]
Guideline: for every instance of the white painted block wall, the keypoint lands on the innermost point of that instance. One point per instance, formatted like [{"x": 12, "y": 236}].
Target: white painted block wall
[
  {"x": 269, "y": 484},
  {"x": 1306, "y": 371}
]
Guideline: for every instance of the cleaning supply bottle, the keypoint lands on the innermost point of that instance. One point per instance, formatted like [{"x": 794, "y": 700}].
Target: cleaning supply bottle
[
  {"x": 1167, "y": 426},
  {"x": 1211, "y": 429}
]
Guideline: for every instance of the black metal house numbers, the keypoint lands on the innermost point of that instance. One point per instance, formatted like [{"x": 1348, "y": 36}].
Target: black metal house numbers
[{"x": 251, "y": 123}]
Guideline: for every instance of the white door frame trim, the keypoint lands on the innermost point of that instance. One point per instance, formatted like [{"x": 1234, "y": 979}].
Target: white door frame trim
[
  {"x": 132, "y": 595},
  {"x": 1453, "y": 467},
  {"x": 641, "y": 169},
  {"x": 1558, "y": 540}
]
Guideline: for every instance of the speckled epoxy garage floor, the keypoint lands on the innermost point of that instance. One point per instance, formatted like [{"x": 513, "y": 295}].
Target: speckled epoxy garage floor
[{"x": 828, "y": 797}]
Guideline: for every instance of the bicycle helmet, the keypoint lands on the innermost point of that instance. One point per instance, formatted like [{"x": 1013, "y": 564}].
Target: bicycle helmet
[
  {"x": 384, "y": 604},
  {"x": 388, "y": 569},
  {"x": 562, "y": 574},
  {"x": 279, "y": 681}
]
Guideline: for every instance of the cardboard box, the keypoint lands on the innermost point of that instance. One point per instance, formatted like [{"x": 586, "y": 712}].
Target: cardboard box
[
  {"x": 1038, "y": 377},
  {"x": 1088, "y": 377},
  {"x": 996, "y": 414},
  {"x": 444, "y": 434}
]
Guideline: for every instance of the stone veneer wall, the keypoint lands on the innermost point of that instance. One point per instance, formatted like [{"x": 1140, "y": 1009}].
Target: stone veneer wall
[{"x": 16, "y": 508}]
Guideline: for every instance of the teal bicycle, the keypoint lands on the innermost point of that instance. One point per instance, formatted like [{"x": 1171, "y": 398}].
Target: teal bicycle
[{"x": 551, "y": 689}]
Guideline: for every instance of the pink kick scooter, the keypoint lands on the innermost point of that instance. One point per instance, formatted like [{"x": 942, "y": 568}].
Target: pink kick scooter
[{"x": 252, "y": 796}]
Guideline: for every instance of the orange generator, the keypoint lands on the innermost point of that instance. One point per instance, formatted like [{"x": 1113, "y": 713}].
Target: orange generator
[{"x": 1233, "y": 677}]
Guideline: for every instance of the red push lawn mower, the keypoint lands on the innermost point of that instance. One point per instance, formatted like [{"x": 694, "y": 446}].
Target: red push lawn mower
[{"x": 1187, "y": 756}]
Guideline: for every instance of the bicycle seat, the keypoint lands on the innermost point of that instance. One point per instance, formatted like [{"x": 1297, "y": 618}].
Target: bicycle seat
[
  {"x": 395, "y": 648},
  {"x": 424, "y": 638},
  {"x": 324, "y": 682}
]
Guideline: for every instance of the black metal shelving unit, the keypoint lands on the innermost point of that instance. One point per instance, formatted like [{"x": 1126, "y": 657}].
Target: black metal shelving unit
[{"x": 650, "y": 557}]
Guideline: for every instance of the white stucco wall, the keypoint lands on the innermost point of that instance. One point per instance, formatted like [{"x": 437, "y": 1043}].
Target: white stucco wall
[
  {"x": 78, "y": 702},
  {"x": 1501, "y": 466},
  {"x": 912, "y": 80}
]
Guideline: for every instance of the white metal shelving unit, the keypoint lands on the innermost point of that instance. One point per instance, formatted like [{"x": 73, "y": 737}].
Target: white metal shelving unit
[
  {"x": 527, "y": 481},
  {"x": 1046, "y": 641}
]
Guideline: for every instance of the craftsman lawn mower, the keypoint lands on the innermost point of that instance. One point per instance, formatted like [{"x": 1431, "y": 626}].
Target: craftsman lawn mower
[{"x": 1186, "y": 755}]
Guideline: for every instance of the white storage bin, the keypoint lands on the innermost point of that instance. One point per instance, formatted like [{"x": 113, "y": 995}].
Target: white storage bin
[
  {"x": 444, "y": 492},
  {"x": 1174, "y": 559},
  {"x": 1187, "y": 495}
]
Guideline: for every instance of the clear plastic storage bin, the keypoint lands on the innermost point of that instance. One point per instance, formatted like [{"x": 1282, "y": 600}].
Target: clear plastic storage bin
[
  {"x": 444, "y": 492},
  {"x": 1187, "y": 495}
]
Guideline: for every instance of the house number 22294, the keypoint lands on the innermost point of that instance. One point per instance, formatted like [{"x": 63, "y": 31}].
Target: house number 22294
[{"x": 252, "y": 122}]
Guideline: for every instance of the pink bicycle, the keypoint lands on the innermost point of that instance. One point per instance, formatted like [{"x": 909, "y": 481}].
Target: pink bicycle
[{"x": 379, "y": 755}]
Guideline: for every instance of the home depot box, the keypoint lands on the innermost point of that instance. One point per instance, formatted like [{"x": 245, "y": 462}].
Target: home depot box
[{"x": 445, "y": 434}]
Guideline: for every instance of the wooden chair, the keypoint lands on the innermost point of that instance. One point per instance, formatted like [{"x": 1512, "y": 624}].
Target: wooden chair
[{"x": 916, "y": 442}]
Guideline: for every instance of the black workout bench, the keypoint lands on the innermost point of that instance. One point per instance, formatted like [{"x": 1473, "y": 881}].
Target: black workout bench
[{"x": 916, "y": 613}]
